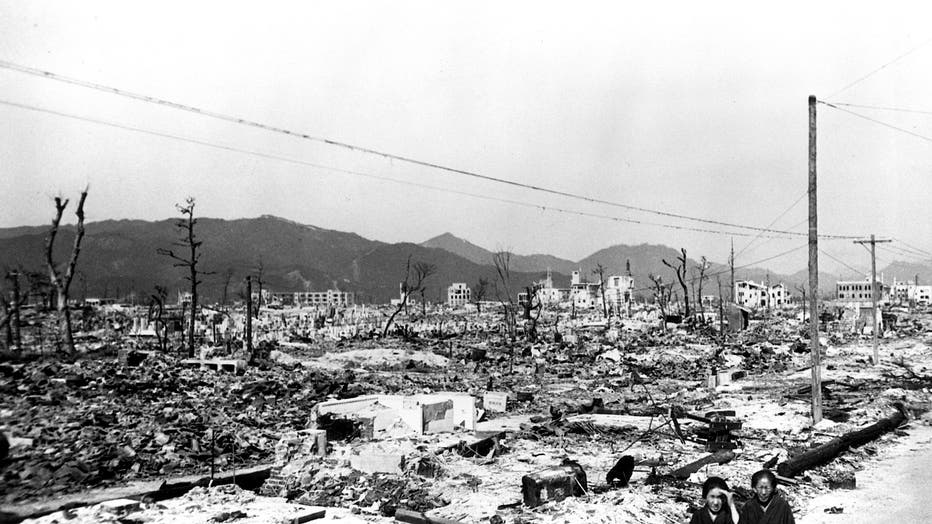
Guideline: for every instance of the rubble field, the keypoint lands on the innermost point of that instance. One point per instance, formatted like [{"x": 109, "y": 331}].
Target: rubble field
[{"x": 334, "y": 425}]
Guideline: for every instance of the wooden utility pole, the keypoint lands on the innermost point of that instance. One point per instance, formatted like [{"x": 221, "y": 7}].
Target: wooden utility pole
[
  {"x": 814, "y": 271},
  {"x": 731, "y": 262},
  {"x": 252, "y": 357},
  {"x": 873, "y": 242}
]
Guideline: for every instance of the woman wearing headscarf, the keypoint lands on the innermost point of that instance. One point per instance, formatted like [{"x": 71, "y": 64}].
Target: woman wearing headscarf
[
  {"x": 719, "y": 507},
  {"x": 768, "y": 505}
]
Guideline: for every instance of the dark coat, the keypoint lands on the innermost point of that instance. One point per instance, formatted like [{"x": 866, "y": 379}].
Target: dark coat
[
  {"x": 778, "y": 512},
  {"x": 702, "y": 516}
]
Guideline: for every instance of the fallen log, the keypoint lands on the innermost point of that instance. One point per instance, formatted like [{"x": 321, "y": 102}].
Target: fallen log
[
  {"x": 831, "y": 449},
  {"x": 719, "y": 457}
]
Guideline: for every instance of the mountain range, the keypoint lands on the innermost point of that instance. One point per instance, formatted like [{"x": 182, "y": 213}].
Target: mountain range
[{"x": 119, "y": 258}]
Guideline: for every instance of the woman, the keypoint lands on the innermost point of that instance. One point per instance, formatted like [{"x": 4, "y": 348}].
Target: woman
[
  {"x": 768, "y": 505},
  {"x": 719, "y": 507}
]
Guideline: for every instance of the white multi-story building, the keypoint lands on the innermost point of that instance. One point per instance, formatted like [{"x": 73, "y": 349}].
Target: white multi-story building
[
  {"x": 860, "y": 291},
  {"x": 585, "y": 295},
  {"x": 910, "y": 292},
  {"x": 778, "y": 295},
  {"x": 458, "y": 294},
  {"x": 753, "y": 295},
  {"x": 619, "y": 292},
  {"x": 331, "y": 297}
]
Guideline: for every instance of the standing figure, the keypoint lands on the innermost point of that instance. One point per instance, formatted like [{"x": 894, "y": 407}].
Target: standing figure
[
  {"x": 768, "y": 505},
  {"x": 719, "y": 507}
]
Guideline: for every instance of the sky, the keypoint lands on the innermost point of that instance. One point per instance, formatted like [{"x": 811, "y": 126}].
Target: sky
[{"x": 697, "y": 109}]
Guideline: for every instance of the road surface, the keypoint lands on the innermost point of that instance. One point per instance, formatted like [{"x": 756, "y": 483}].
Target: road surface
[{"x": 894, "y": 489}]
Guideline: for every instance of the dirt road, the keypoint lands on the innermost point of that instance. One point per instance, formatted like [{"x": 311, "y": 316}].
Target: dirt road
[{"x": 894, "y": 488}]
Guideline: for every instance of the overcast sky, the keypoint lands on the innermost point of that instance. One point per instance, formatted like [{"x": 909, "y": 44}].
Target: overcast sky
[{"x": 696, "y": 108}]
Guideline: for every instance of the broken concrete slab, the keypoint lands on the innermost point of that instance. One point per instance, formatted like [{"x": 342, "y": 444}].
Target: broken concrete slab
[
  {"x": 217, "y": 364},
  {"x": 420, "y": 414},
  {"x": 496, "y": 402},
  {"x": 370, "y": 462}
]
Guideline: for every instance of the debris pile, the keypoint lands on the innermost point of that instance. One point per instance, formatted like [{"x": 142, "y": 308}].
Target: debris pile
[{"x": 96, "y": 422}]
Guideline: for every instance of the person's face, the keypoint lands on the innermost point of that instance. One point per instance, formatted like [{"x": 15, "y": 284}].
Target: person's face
[
  {"x": 715, "y": 499},
  {"x": 764, "y": 489}
]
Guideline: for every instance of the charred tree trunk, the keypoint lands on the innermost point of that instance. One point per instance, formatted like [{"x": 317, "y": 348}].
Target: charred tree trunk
[
  {"x": 188, "y": 241},
  {"x": 831, "y": 449},
  {"x": 61, "y": 282}
]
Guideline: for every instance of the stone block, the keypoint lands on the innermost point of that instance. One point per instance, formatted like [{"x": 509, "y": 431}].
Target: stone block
[
  {"x": 378, "y": 462},
  {"x": 496, "y": 402}
]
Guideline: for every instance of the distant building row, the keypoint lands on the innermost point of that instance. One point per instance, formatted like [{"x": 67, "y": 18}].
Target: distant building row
[{"x": 331, "y": 297}]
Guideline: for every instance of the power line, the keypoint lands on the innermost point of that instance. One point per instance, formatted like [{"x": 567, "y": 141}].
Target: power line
[
  {"x": 874, "y": 120},
  {"x": 368, "y": 175},
  {"x": 913, "y": 247},
  {"x": 912, "y": 258},
  {"x": 787, "y": 210},
  {"x": 842, "y": 262},
  {"x": 884, "y": 108},
  {"x": 908, "y": 252},
  {"x": 242, "y": 121},
  {"x": 872, "y": 73}
]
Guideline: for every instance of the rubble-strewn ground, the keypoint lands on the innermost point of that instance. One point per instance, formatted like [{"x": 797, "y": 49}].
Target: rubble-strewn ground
[{"x": 97, "y": 422}]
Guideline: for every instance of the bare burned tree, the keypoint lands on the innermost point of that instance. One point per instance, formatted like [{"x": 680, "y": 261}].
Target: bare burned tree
[
  {"x": 61, "y": 281},
  {"x": 532, "y": 304},
  {"x": 413, "y": 283},
  {"x": 701, "y": 267},
  {"x": 260, "y": 269},
  {"x": 11, "y": 307},
  {"x": 189, "y": 242},
  {"x": 227, "y": 277},
  {"x": 423, "y": 271},
  {"x": 478, "y": 295},
  {"x": 661, "y": 297},
  {"x": 680, "y": 270},
  {"x": 503, "y": 291},
  {"x": 600, "y": 271},
  {"x": 6, "y": 320},
  {"x": 157, "y": 312}
]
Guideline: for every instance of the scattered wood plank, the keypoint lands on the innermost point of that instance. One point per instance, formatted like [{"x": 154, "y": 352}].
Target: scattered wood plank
[{"x": 719, "y": 457}]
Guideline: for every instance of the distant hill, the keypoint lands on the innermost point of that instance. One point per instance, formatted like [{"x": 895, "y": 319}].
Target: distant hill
[
  {"x": 479, "y": 255},
  {"x": 119, "y": 257}
]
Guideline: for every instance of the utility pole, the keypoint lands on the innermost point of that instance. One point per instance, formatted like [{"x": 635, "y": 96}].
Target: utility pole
[
  {"x": 873, "y": 242},
  {"x": 769, "y": 295},
  {"x": 802, "y": 290},
  {"x": 731, "y": 262},
  {"x": 252, "y": 357},
  {"x": 814, "y": 271}
]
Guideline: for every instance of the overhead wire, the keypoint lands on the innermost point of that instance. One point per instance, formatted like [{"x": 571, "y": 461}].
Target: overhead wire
[
  {"x": 774, "y": 221},
  {"x": 270, "y": 156},
  {"x": 901, "y": 241},
  {"x": 401, "y": 158},
  {"x": 907, "y": 252},
  {"x": 911, "y": 258},
  {"x": 883, "y": 108},
  {"x": 842, "y": 262},
  {"x": 880, "y": 122},
  {"x": 881, "y": 68}
]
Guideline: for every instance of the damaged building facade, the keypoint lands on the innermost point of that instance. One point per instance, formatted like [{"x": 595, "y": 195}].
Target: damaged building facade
[{"x": 755, "y": 295}]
